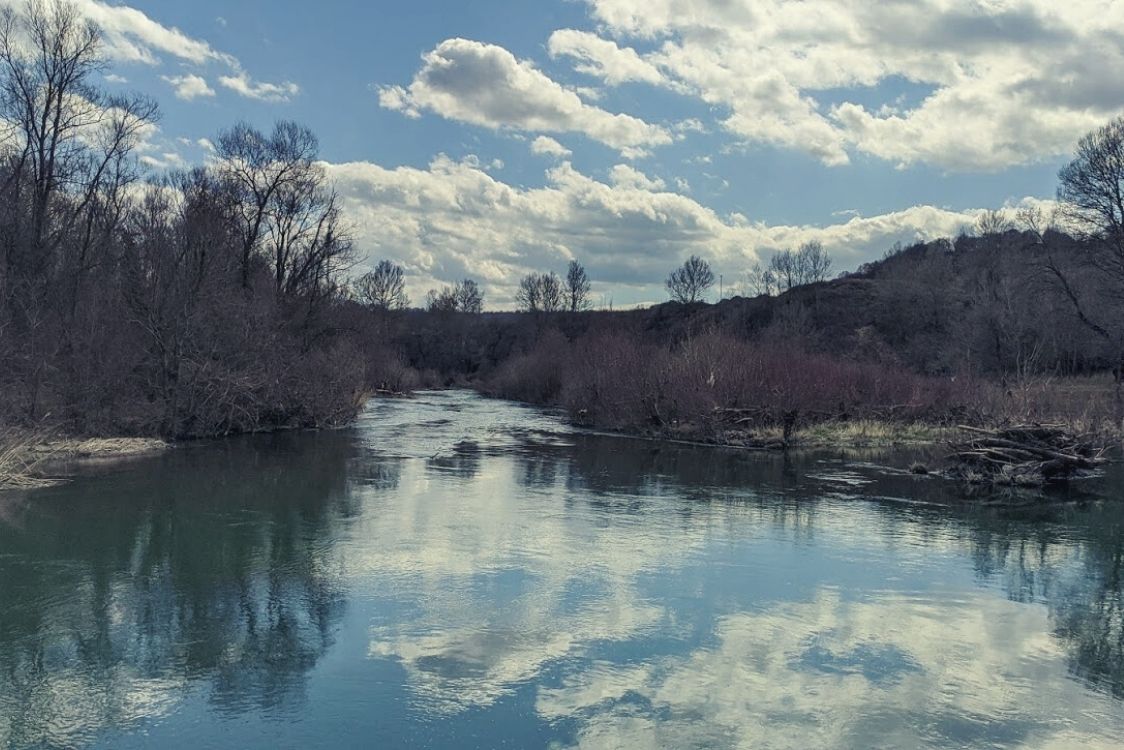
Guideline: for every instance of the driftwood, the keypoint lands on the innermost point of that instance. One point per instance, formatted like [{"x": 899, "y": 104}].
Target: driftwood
[{"x": 1024, "y": 455}]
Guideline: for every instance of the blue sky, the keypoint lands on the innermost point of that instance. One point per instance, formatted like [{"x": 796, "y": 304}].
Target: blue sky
[{"x": 493, "y": 138}]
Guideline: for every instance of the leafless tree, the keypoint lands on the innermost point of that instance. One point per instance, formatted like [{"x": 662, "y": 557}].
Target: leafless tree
[
  {"x": 265, "y": 170},
  {"x": 383, "y": 288},
  {"x": 443, "y": 300},
  {"x": 993, "y": 222},
  {"x": 306, "y": 243},
  {"x": 540, "y": 292},
  {"x": 761, "y": 280},
  {"x": 577, "y": 287},
  {"x": 789, "y": 269},
  {"x": 689, "y": 282},
  {"x": 469, "y": 296},
  {"x": 814, "y": 263},
  {"x": 1091, "y": 195},
  {"x": 465, "y": 296},
  {"x": 68, "y": 134}
]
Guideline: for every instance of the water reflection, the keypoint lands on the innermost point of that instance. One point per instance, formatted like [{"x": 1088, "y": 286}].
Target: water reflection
[
  {"x": 210, "y": 568},
  {"x": 458, "y": 572}
]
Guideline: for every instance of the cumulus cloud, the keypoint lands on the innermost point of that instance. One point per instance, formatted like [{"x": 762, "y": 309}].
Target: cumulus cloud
[
  {"x": 190, "y": 87},
  {"x": 624, "y": 176},
  {"x": 603, "y": 58},
  {"x": 241, "y": 83},
  {"x": 997, "y": 84},
  {"x": 454, "y": 219},
  {"x": 547, "y": 146},
  {"x": 486, "y": 85}
]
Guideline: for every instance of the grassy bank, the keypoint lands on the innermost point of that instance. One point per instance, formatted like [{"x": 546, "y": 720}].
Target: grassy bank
[{"x": 29, "y": 460}]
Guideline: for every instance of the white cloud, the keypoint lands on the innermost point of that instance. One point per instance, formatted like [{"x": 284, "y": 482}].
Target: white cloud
[
  {"x": 604, "y": 59},
  {"x": 993, "y": 84},
  {"x": 486, "y": 85},
  {"x": 547, "y": 146},
  {"x": 241, "y": 83},
  {"x": 131, "y": 36},
  {"x": 167, "y": 160},
  {"x": 624, "y": 176},
  {"x": 454, "y": 219},
  {"x": 190, "y": 86}
]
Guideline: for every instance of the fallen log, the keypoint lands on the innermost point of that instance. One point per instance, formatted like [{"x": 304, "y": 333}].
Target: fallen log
[{"x": 1023, "y": 454}]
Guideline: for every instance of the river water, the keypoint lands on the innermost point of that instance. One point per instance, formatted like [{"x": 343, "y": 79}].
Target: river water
[{"x": 453, "y": 572}]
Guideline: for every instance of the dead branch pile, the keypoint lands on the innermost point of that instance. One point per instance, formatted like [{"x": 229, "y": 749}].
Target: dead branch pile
[
  {"x": 1024, "y": 455},
  {"x": 18, "y": 462}
]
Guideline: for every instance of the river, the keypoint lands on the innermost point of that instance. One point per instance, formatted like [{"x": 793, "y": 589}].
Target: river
[{"x": 455, "y": 572}]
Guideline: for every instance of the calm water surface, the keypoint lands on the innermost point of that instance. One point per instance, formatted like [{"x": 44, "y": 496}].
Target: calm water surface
[{"x": 459, "y": 573}]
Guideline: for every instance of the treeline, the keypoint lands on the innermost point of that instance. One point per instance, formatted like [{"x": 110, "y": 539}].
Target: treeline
[{"x": 204, "y": 302}]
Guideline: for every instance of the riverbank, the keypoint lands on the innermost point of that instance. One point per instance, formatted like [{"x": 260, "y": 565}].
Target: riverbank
[
  {"x": 28, "y": 460},
  {"x": 857, "y": 435}
]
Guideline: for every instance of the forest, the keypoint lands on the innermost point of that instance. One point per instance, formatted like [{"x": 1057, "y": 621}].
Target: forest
[{"x": 228, "y": 297}]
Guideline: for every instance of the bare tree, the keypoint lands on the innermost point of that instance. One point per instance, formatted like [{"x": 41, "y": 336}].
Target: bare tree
[
  {"x": 384, "y": 287},
  {"x": 540, "y": 292},
  {"x": 993, "y": 222},
  {"x": 789, "y": 269},
  {"x": 68, "y": 133},
  {"x": 443, "y": 300},
  {"x": 761, "y": 281},
  {"x": 305, "y": 241},
  {"x": 1091, "y": 194},
  {"x": 813, "y": 262},
  {"x": 465, "y": 296},
  {"x": 689, "y": 282},
  {"x": 577, "y": 287},
  {"x": 469, "y": 296},
  {"x": 260, "y": 168}
]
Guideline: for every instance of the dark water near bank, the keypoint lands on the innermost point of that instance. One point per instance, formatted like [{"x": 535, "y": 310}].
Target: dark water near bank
[{"x": 459, "y": 573}]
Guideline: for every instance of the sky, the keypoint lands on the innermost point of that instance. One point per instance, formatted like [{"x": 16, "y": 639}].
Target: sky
[{"x": 493, "y": 138}]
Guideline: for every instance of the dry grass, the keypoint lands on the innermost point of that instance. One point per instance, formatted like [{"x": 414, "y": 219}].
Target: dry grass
[
  {"x": 20, "y": 462},
  {"x": 24, "y": 454},
  {"x": 99, "y": 448},
  {"x": 872, "y": 434}
]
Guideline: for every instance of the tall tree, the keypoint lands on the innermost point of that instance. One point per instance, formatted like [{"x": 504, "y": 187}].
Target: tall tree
[
  {"x": 469, "y": 296},
  {"x": 1091, "y": 195},
  {"x": 689, "y": 282},
  {"x": 465, "y": 296},
  {"x": 577, "y": 287},
  {"x": 69, "y": 134},
  {"x": 540, "y": 292},
  {"x": 384, "y": 287},
  {"x": 265, "y": 170},
  {"x": 993, "y": 222}
]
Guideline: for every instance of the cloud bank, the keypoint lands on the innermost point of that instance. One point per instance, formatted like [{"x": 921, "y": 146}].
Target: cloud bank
[{"x": 454, "y": 219}]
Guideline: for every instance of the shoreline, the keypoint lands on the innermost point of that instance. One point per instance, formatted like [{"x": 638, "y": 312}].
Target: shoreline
[
  {"x": 26, "y": 460},
  {"x": 863, "y": 436}
]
